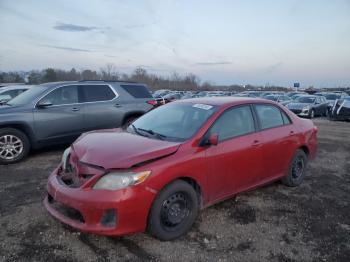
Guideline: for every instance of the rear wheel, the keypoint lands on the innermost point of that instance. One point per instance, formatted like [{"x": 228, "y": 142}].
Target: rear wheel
[
  {"x": 297, "y": 168},
  {"x": 174, "y": 211},
  {"x": 14, "y": 145}
]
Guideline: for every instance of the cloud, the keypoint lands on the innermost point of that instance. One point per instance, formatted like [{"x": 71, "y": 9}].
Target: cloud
[
  {"x": 135, "y": 26},
  {"x": 274, "y": 67},
  {"x": 68, "y": 48},
  {"x": 214, "y": 63},
  {"x": 75, "y": 28},
  {"x": 112, "y": 56}
]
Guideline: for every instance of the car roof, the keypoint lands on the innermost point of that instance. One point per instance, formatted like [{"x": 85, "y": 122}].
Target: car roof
[
  {"x": 54, "y": 84},
  {"x": 221, "y": 101},
  {"x": 309, "y": 96}
]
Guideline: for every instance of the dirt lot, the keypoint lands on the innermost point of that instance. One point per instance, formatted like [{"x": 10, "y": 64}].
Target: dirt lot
[{"x": 274, "y": 223}]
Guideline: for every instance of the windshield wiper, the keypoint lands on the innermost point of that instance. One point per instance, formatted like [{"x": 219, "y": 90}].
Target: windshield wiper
[
  {"x": 136, "y": 130},
  {"x": 152, "y": 133}
]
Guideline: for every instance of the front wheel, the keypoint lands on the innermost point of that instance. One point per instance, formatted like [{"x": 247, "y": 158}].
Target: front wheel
[
  {"x": 312, "y": 114},
  {"x": 297, "y": 169},
  {"x": 14, "y": 145},
  {"x": 174, "y": 211}
]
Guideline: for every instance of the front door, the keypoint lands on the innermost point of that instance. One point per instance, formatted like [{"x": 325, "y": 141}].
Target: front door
[
  {"x": 234, "y": 163},
  {"x": 62, "y": 117}
]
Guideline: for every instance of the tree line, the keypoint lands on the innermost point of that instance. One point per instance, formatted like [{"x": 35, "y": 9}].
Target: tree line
[{"x": 174, "y": 81}]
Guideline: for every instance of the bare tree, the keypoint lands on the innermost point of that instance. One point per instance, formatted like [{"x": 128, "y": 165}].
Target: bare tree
[{"x": 109, "y": 72}]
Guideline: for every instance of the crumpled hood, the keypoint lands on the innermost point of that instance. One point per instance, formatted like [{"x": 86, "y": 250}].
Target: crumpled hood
[
  {"x": 114, "y": 149},
  {"x": 297, "y": 105}
]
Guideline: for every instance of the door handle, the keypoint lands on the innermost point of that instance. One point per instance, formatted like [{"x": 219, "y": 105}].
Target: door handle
[
  {"x": 118, "y": 105},
  {"x": 256, "y": 143},
  {"x": 74, "y": 109}
]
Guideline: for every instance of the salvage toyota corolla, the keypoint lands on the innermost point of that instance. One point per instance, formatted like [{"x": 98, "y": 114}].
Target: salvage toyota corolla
[{"x": 175, "y": 160}]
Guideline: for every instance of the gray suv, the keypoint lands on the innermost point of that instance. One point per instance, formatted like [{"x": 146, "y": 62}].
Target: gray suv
[{"x": 57, "y": 113}]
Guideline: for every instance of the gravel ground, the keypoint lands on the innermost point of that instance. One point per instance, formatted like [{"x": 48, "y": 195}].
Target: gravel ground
[{"x": 274, "y": 223}]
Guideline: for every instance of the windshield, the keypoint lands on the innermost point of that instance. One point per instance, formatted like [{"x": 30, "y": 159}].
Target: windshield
[
  {"x": 29, "y": 96},
  {"x": 305, "y": 99},
  {"x": 173, "y": 122},
  {"x": 332, "y": 96}
]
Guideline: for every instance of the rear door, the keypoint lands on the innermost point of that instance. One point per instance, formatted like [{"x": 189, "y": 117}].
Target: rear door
[
  {"x": 279, "y": 140},
  {"x": 234, "y": 164},
  {"x": 63, "y": 120},
  {"x": 103, "y": 108}
]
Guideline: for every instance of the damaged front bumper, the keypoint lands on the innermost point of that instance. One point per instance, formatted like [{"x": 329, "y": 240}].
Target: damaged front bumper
[{"x": 102, "y": 212}]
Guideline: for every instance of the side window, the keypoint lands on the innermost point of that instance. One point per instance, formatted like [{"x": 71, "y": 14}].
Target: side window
[
  {"x": 286, "y": 119},
  {"x": 95, "y": 93},
  {"x": 269, "y": 116},
  {"x": 234, "y": 122},
  {"x": 137, "y": 91},
  {"x": 62, "y": 96}
]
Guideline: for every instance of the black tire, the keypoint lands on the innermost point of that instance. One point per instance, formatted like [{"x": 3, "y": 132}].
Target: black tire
[
  {"x": 174, "y": 211},
  {"x": 327, "y": 113},
  {"x": 312, "y": 113},
  {"x": 17, "y": 153},
  {"x": 297, "y": 168}
]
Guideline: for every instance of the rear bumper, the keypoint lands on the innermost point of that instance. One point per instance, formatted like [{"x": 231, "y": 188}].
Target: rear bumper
[{"x": 101, "y": 212}]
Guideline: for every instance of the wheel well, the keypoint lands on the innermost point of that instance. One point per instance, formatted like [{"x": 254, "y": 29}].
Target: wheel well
[
  {"x": 135, "y": 114},
  {"x": 21, "y": 128},
  {"x": 305, "y": 149},
  {"x": 195, "y": 186}
]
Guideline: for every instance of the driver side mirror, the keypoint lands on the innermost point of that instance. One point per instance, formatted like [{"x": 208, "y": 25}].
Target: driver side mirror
[
  {"x": 213, "y": 139},
  {"x": 43, "y": 104}
]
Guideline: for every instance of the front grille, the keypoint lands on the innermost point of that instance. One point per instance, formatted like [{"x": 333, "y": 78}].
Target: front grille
[
  {"x": 69, "y": 212},
  {"x": 77, "y": 175}
]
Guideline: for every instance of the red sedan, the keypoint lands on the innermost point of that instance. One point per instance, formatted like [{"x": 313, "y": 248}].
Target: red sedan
[{"x": 176, "y": 160}]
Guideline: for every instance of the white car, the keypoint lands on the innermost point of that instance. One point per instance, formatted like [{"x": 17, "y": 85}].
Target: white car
[{"x": 9, "y": 92}]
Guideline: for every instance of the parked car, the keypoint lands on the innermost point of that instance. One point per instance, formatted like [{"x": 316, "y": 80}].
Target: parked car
[
  {"x": 172, "y": 97},
  {"x": 10, "y": 92},
  {"x": 291, "y": 94},
  {"x": 57, "y": 113},
  {"x": 309, "y": 106},
  {"x": 175, "y": 160},
  {"x": 340, "y": 109},
  {"x": 331, "y": 97},
  {"x": 279, "y": 98}
]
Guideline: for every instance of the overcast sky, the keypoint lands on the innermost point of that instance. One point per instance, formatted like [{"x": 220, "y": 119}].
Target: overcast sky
[{"x": 225, "y": 42}]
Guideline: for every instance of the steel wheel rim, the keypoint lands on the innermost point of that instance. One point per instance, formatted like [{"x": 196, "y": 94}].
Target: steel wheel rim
[
  {"x": 174, "y": 211},
  {"x": 10, "y": 147},
  {"x": 298, "y": 167}
]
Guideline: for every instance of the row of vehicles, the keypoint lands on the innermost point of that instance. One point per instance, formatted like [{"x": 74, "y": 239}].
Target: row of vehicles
[
  {"x": 300, "y": 103},
  {"x": 32, "y": 117}
]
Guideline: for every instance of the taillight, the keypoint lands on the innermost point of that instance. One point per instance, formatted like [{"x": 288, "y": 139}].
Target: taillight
[{"x": 152, "y": 102}]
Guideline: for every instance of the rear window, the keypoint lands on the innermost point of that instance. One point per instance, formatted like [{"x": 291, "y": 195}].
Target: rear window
[{"x": 137, "y": 91}]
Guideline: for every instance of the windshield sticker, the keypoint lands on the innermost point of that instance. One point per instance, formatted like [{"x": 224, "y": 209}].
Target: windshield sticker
[{"x": 203, "y": 106}]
